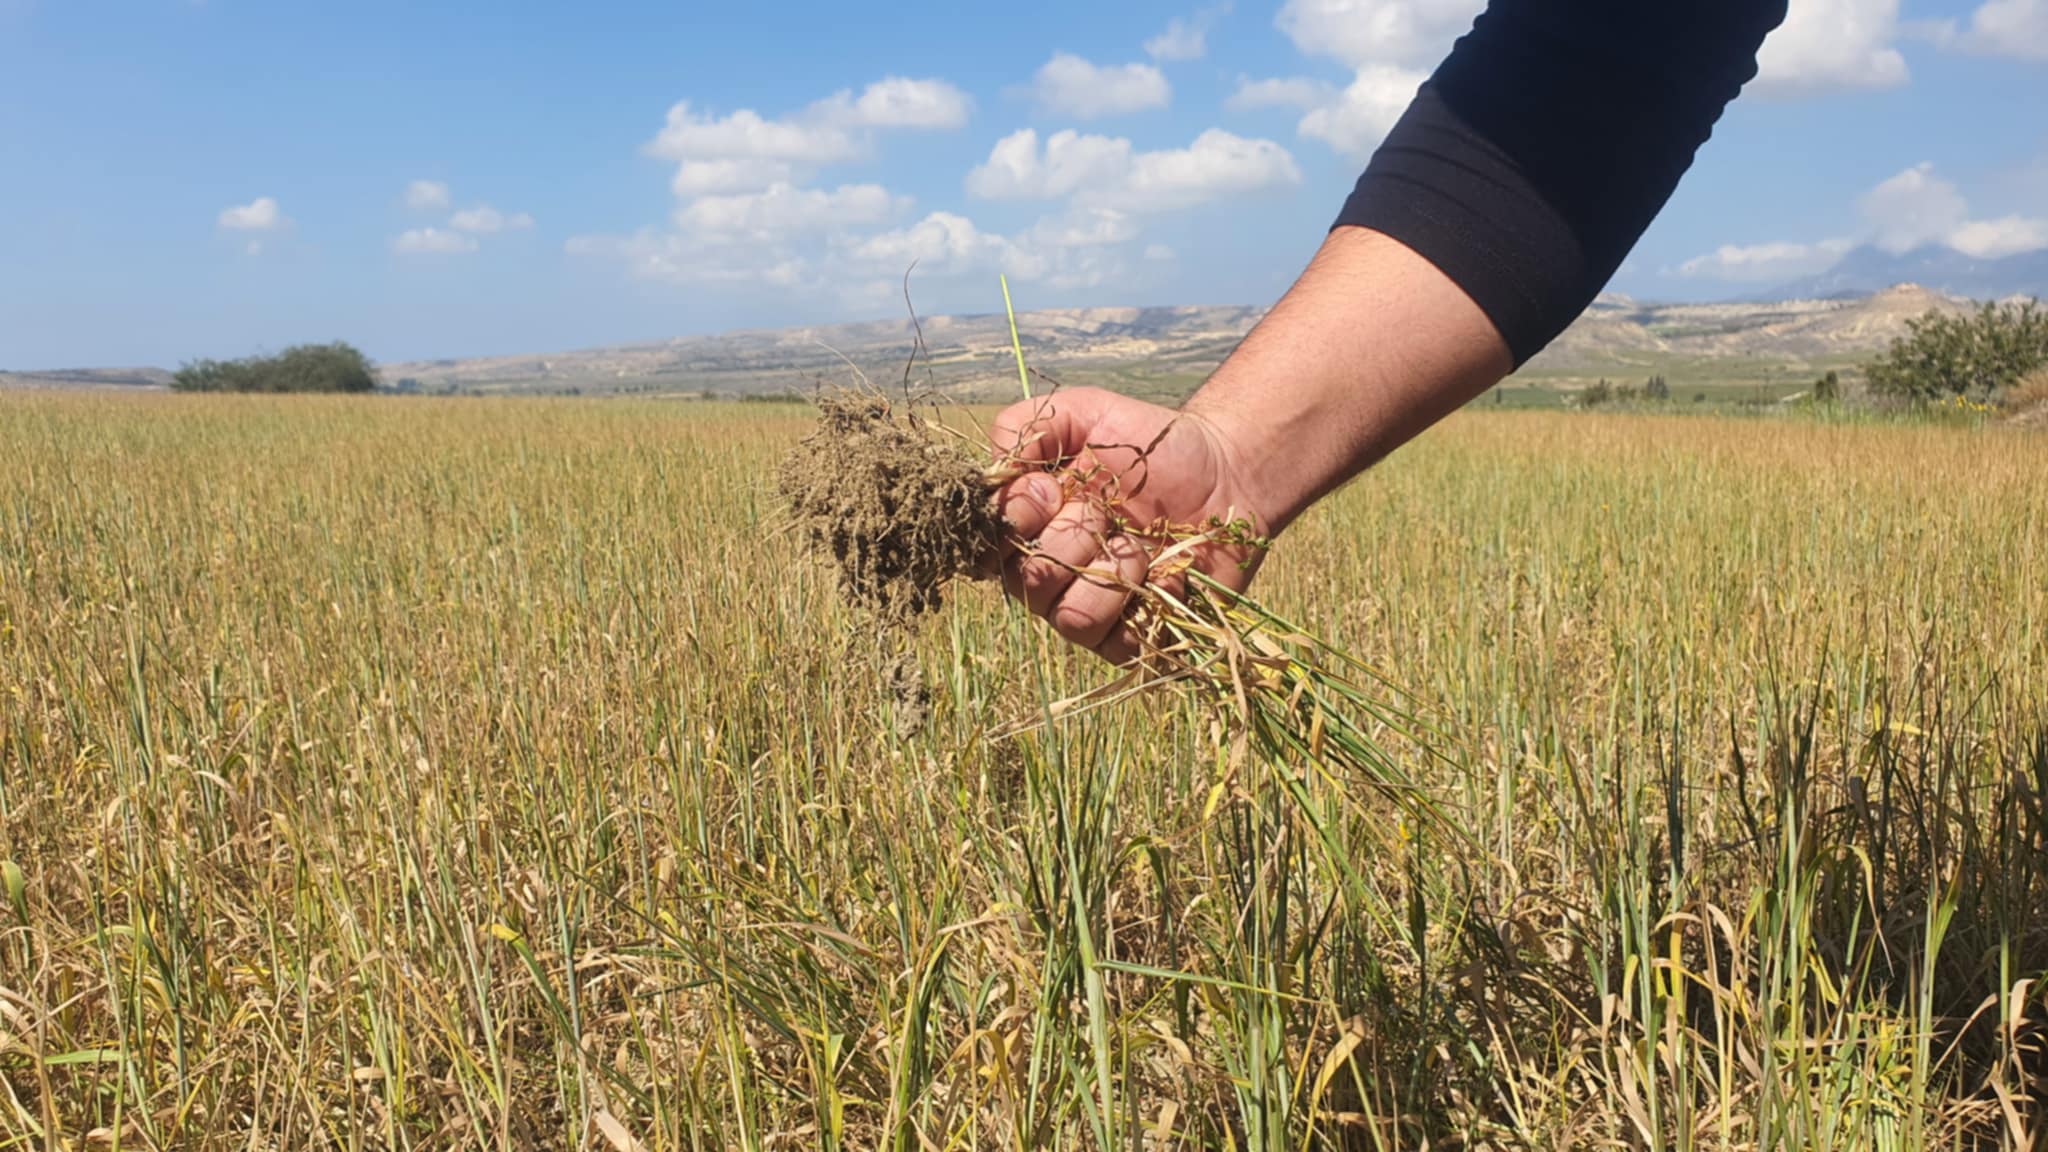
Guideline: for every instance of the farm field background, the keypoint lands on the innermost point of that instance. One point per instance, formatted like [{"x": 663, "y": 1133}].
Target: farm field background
[{"x": 428, "y": 773}]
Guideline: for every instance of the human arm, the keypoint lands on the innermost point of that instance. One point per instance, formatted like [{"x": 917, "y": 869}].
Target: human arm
[{"x": 1495, "y": 211}]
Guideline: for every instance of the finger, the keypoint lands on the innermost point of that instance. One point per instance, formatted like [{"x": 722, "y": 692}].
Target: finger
[
  {"x": 1071, "y": 540},
  {"x": 1025, "y": 505},
  {"x": 1028, "y": 504},
  {"x": 1047, "y": 429},
  {"x": 1093, "y": 605},
  {"x": 1121, "y": 647}
]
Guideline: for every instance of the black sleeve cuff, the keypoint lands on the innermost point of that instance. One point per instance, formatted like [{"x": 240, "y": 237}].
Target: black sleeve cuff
[{"x": 1443, "y": 191}]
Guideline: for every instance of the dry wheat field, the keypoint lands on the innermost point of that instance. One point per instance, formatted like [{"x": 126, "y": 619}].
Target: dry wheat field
[{"x": 426, "y": 774}]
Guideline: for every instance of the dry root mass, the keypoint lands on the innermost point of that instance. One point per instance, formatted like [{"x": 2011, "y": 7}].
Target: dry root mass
[{"x": 901, "y": 505}]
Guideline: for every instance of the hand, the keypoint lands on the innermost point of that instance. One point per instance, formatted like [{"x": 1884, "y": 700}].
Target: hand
[{"x": 1107, "y": 474}]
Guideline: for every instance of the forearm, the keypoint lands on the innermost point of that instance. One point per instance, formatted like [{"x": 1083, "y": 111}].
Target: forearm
[{"x": 1371, "y": 346}]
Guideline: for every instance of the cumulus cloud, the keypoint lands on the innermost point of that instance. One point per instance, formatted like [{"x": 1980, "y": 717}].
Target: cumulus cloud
[
  {"x": 1185, "y": 38},
  {"x": 1830, "y": 46},
  {"x": 1107, "y": 172},
  {"x": 1359, "y": 33},
  {"x": 749, "y": 214},
  {"x": 2016, "y": 28},
  {"x": 2005, "y": 236},
  {"x": 941, "y": 242},
  {"x": 747, "y": 135},
  {"x": 784, "y": 211},
  {"x": 1217, "y": 164},
  {"x": 259, "y": 215},
  {"x": 1915, "y": 209},
  {"x": 684, "y": 258},
  {"x": 1067, "y": 85},
  {"x": 1389, "y": 45},
  {"x": 1361, "y": 116},
  {"x": 896, "y": 102},
  {"x": 1297, "y": 92},
  {"x": 744, "y": 151},
  {"x": 1018, "y": 169},
  {"x": 1766, "y": 262},
  {"x": 432, "y": 241},
  {"x": 426, "y": 195},
  {"x": 485, "y": 220},
  {"x": 702, "y": 177}
]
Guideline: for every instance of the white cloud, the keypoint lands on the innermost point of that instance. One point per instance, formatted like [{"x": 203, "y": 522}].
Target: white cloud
[
  {"x": 784, "y": 211},
  {"x": 2005, "y": 236},
  {"x": 1185, "y": 38},
  {"x": 1079, "y": 250},
  {"x": 896, "y": 102},
  {"x": 1106, "y": 172},
  {"x": 1359, "y": 33},
  {"x": 1912, "y": 209},
  {"x": 1832, "y": 45},
  {"x": 1390, "y": 45},
  {"x": 2017, "y": 28},
  {"x": 746, "y": 135},
  {"x": 423, "y": 241},
  {"x": 1217, "y": 164},
  {"x": 426, "y": 195},
  {"x": 1018, "y": 169},
  {"x": 259, "y": 215},
  {"x": 1069, "y": 86},
  {"x": 744, "y": 151},
  {"x": 680, "y": 258},
  {"x": 485, "y": 220},
  {"x": 942, "y": 242},
  {"x": 1297, "y": 92},
  {"x": 1362, "y": 115},
  {"x": 1158, "y": 252},
  {"x": 1085, "y": 228},
  {"x": 1766, "y": 262},
  {"x": 699, "y": 177}
]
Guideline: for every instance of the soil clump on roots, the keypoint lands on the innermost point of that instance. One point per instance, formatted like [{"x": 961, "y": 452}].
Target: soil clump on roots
[{"x": 902, "y": 507}]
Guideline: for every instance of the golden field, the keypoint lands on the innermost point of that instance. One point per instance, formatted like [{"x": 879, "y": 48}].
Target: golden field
[{"x": 438, "y": 773}]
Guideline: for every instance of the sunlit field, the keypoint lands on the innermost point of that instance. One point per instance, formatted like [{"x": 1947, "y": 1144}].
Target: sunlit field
[{"x": 437, "y": 773}]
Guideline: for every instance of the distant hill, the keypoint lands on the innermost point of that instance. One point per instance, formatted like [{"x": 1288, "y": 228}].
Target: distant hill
[
  {"x": 86, "y": 378},
  {"x": 1618, "y": 336},
  {"x": 1142, "y": 350},
  {"x": 1938, "y": 268},
  {"x": 1157, "y": 352}
]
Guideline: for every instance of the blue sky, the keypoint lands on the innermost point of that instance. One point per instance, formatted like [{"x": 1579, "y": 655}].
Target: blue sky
[{"x": 182, "y": 178}]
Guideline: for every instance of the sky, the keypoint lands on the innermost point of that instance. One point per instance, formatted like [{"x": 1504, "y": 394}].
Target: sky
[{"x": 215, "y": 178}]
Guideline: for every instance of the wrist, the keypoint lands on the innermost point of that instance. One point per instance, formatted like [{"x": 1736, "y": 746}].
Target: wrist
[
  {"x": 1372, "y": 345},
  {"x": 1263, "y": 477}
]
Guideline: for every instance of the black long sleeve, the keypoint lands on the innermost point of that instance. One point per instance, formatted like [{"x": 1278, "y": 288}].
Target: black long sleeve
[{"x": 1534, "y": 158}]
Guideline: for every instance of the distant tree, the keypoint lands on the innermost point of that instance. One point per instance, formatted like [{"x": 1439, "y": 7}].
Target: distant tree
[
  {"x": 1597, "y": 395},
  {"x": 1827, "y": 389},
  {"x": 1699, "y": 397},
  {"x": 333, "y": 367},
  {"x": 1656, "y": 389},
  {"x": 1975, "y": 356}
]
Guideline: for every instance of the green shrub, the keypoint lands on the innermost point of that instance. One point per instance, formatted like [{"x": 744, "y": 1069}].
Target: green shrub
[
  {"x": 1975, "y": 356},
  {"x": 1597, "y": 395},
  {"x": 1827, "y": 389},
  {"x": 333, "y": 367}
]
